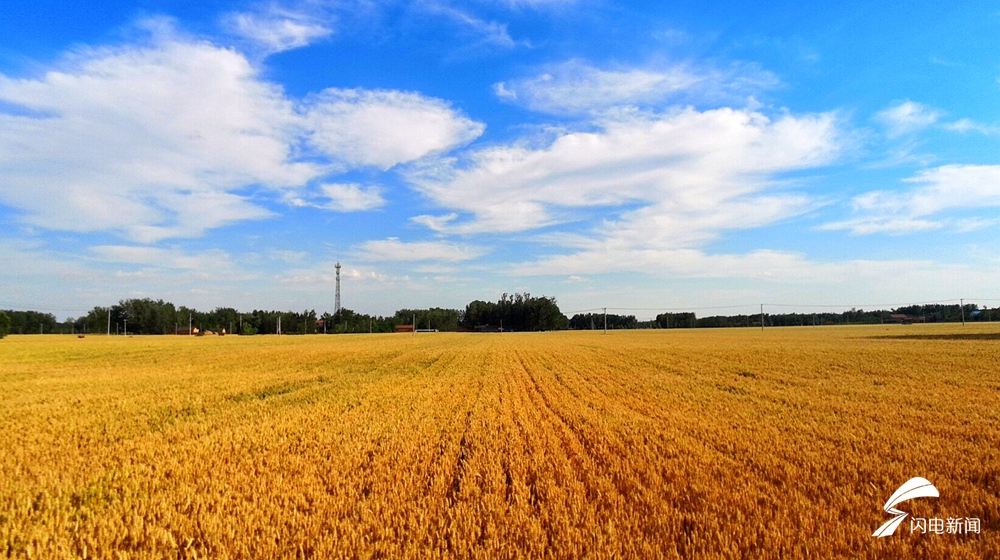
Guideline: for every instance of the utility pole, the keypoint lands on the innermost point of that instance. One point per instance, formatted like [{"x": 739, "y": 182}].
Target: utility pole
[
  {"x": 605, "y": 320},
  {"x": 414, "y": 325},
  {"x": 762, "y": 316},
  {"x": 109, "y": 321},
  {"x": 962, "y": 305},
  {"x": 190, "y": 324}
]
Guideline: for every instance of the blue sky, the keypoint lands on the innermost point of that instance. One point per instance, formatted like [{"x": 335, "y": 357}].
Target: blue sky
[{"x": 640, "y": 155}]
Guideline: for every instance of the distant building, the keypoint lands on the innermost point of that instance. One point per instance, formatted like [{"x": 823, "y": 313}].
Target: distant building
[{"x": 404, "y": 328}]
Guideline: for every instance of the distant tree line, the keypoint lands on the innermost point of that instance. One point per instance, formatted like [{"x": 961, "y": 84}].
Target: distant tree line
[
  {"x": 934, "y": 313},
  {"x": 348, "y": 321},
  {"x": 676, "y": 320},
  {"x": 518, "y": 312},
  {"x": 596, "y": 321},
  {"x": 31, "y": 322},
  {"x": 146, "y": 316}
]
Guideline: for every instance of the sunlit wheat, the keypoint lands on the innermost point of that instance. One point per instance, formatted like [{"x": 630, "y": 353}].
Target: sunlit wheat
[{"x": 645, "y": 444}]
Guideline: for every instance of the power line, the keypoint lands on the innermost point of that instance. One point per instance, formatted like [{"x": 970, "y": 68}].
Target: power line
[
  {"x": 754, "y": 306},
  {"x": 29, "y": 307},
  {"x": 585, "y": 311},
  {"x": 661, "y": 308},
  {"x": 857, "y": 305},
  {"x": 682, "y": 308}
]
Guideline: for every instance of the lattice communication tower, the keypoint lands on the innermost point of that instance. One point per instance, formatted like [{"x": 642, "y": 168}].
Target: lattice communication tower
[{"x": 336, "y": 300}]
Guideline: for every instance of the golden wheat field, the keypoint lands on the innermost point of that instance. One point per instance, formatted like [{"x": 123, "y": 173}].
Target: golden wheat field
[{"x": 784, "y": 443}]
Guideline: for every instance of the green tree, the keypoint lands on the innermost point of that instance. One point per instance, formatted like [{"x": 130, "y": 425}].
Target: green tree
[
  {"x": 31, "y": 322},
  {"x": 4, "y": 324},
  {"x": 520, "y": 312}
]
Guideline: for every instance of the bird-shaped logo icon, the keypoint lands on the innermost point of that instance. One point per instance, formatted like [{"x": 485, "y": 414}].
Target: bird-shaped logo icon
[{"x": 916, "y": 487}]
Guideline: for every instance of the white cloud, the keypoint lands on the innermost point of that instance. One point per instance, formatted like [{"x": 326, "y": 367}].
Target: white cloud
[
  {"x": 485, "y": 33},
  {"x": 770, "y": 267},
  {"x": 536, "y": 4},
  {"x": 393, "y": 249},
  {"x": 968, "y": 125},
  {"x": 969, "y": 225},
  {"x": 168, "y": 140},
  {"x": 907, "y": 117},
  {"x": 887, "y": 225},
  {"x": 276, "y": 30},
  {"x": 210, "y": 261},
  {"x": 763, "y": 275},
  {"x": 154, "y": 142},
  {"x": 27, "y": 265},
  {"x": 288, "y": 256},
  {"x": 323, "y": 277},
  {"x": 944, "y": 188},
  {"x": 582, "y": 89},
  {"x": 385, "y": 128},
  {"x": 71, "y": 281},
  {"x": 691, "y": 174},
  {"x": 437, "y": 269},
  {"x": 687, "y": 263},
  {"x": 575, "y": 87},
  {"x": 351, "y": 197},
  {"x": 435, "y": 223}
]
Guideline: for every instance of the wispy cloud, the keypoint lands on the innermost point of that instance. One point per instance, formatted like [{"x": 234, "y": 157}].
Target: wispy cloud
[
  {"x": 277, "y": 29},
  {"x": 393, "y": 249},
  {"x": 484, "y": 33},
  {"x": 968, "y": 125},
  {"x": 578, "y": 88},
  {"x": 351, "y": 197},
  {"x": 789, "y": 273},
  {"x": 690, "y": 173},
  {"x": 69, "y": 283},
  {"x": 213, "y": 260},
  {"x": 536, "y": 4},
  {"x": 288, "y": 256},
  {"x": 944, "y": 188},
  {"x": 907, "y": 117},
  {"x": 340, "y": 197}
]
